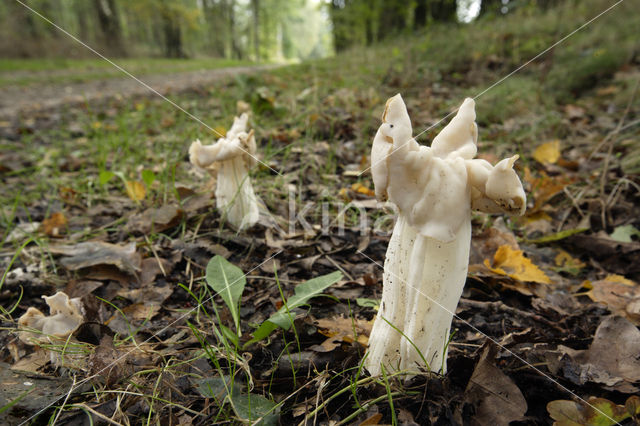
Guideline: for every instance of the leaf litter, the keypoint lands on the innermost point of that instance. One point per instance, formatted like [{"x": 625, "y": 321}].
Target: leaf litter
[{"x": 544, "y": 287}]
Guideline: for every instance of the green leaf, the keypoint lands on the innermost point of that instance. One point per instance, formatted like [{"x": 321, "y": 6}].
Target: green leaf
[
  {"x": 105, "y": 176},
  {"x": 230, "y": 335},
  {"x": 148, "y": 177},
  {"x": 624, "y": 233},
  {"x": 368, "y": 303},
  {"x": 217, "y": 388},
  {"x": 557, "y": 236},
  {"x": 303, "y": 292},
  {"x": 599, "y": 412},
  {"x": 227, "y": 280},
  {"x": 252, "y": 407}
]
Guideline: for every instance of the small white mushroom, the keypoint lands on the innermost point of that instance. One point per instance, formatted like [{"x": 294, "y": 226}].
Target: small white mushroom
[
  {"x": 230, "y": 159},
  {"x": 65, "y": 316},
  {"x": 435, "y": 189}
]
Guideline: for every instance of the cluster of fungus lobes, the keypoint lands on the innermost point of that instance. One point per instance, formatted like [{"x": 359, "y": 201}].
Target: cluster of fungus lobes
[
  {"x": 65, "y": 316},
  {"x": 230, "y": 159},
  {"x": 435, "y": 189}
]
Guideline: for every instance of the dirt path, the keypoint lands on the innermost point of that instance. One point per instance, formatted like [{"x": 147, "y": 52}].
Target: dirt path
[{"x": 15, "y": 100}]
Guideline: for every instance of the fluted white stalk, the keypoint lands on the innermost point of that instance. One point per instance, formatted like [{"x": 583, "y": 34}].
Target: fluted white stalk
[
  {"x": 435, "y": 189},
  {"x": 230, "y": 159}
]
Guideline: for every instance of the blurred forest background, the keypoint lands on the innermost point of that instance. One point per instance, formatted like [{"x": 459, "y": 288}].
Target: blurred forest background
[{"x": 254, "y": 30}]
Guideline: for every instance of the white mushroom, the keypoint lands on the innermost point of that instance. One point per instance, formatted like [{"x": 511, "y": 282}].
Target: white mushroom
[
  {"x": 65, "y": 315},
  {"x": 426, "y": 264},
  {"x": 230, "y": 159}
]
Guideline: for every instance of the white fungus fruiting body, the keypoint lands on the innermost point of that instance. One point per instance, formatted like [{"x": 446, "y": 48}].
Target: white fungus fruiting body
[
  {"x": 65, "y": 315},
  {"x": 435, "y": 188},
  {"x": 230, "y": 159}
]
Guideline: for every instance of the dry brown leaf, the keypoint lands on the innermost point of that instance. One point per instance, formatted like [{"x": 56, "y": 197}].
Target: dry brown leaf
[
  {"x": 373, "y": 420},
  {"x": 55, "y": 224},
  {"x": 619, "y": 294},
  {"x": 617, "y": 369},
  {"x": 343, "y": 329},
  {"x": 92, "y": 253},
  {"x": 547, "y": 153},
  {"x": 497, "y": 398},
  {"x": 135, "y": 190},
  {"x": 514, "y": 264}
]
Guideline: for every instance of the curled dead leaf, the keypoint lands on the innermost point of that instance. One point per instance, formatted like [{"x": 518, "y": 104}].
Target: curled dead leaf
[{"x": 513, "y": 263}]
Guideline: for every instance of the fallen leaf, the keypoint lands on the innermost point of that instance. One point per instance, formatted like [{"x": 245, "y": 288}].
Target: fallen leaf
[
  {"x": 544, "y": 188},
  {"x": 54, "y": 225},
  {"x": 108, "y": 364},
  {"x": 361, "y": 189},
  {"x": 617, "y": 369},
  {"x": 617, "y": 293},
  {"x": 547, "y": 153},
  {"x": 155, "y": 219},
  {"x": 135, "y": 190},
  {"x": 514, "y": 264},
  {"x": 22, "y": 231},
  {"x": 373, "y": 420},
  {"x": 624, "y": 233},
  {"x": 496, "y": 397},
  {"x": 567, "y": 263},
  {"x": 340, "y": 329},
  {"x": 598, "y": 411},
  {"x": 91, "y": 253}
]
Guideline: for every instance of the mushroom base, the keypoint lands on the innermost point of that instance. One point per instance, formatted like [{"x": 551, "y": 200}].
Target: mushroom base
[{"x": 422, "y": 284}]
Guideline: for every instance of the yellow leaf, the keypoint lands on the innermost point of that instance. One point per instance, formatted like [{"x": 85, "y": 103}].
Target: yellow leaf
[
  {"x": 512, "y": 263},
  {"x": 565, "y": 260},
  {"x": 619, "y": 279},
  {"x": 547, "y": 152},
  {"x": 220, "y": 131},
  {"x": 135, "y": 190},
  {"x": 96, "y": 125},
  {"x": 361, "y": 189}
]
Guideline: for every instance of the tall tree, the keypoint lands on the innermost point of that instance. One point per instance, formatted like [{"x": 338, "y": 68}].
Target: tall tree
[
  {"x": 255, "y": 10},
  {"x": 109, "y": 22}
]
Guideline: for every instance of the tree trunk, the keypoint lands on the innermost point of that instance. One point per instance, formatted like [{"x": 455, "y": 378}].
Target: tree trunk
[
  {"x": 420, "y": 14},
  {"x": 255, "y": 7},
  {"x": 109, "y": 23},
  {"x": 172, "y": 37}
]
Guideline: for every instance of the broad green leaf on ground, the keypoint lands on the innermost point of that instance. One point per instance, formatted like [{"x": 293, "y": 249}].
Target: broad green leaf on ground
[
  {"x": 217, "y": 387},
  {"x": 228, "y": 281},
  {"x": 303, "y": 293},
  {"x": 253, "y": 407},
  {"x": 148, "y": 177},
  {"x": 600, "y": 412}
]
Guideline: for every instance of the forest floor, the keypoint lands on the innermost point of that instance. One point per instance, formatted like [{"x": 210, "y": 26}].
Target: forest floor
[{"x": 98, "y": 199}]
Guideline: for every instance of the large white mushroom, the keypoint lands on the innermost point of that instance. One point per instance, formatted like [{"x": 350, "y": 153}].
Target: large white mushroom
[
  {"x": 230, "y": 159},
  {"x": 435, "y": 188}
]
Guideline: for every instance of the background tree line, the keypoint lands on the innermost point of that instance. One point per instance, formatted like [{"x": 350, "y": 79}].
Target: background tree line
[{"x": 233, "y": 29}]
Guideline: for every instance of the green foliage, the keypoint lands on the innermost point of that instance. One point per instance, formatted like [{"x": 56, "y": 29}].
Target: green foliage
[
  {"x": 228, "y": 281},
  {"x": 248, "y": 407},
  {"x": 303, "y": 292}
]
